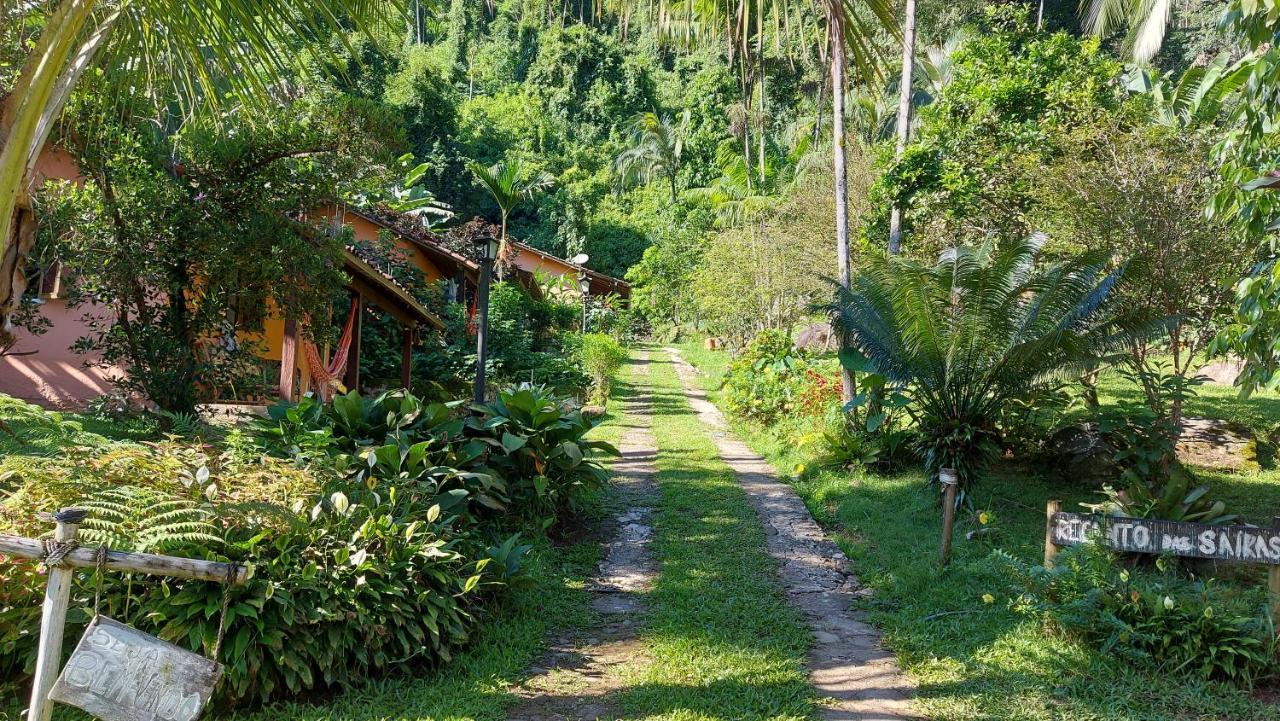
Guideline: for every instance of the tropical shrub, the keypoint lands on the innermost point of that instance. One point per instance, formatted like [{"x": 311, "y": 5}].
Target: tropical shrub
[
  {"x": 982, "y": 326},
  {"x": 379, "y": 528},
  {"x": 315, "y": 613},
  {"x": 1171, "y": 623},
  {"x": 602, "y": 356},
  {"x": 526, "y": 338},
  {"x": 765, "y": 382},
  {"x": 545, "y": 456}
]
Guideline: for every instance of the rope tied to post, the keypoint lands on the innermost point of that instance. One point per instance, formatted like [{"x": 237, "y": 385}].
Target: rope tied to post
[
  {"x": 100, "y": 561},
  {"x": 233, "y": 570},
  {"x": 55, "y": 553}
]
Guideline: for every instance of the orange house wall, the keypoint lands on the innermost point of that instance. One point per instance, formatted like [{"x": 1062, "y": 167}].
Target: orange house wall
[{"x": 54, "y": 375}]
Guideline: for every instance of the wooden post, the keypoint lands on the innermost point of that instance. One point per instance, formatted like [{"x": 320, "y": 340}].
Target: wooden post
[
  {"x": 351, "y": 378},
  {"x": 58, "y": 591},
  {"x": 288, "y": 358},
  {"x": 53, "y": 616},
  {"x": 406, "y": 357},
  {"x": 950, "y": 481},
  {"x": 1050, "y": 548}
]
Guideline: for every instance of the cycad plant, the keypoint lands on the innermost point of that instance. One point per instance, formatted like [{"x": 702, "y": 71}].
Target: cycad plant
[{"x": 980, "y": 327}]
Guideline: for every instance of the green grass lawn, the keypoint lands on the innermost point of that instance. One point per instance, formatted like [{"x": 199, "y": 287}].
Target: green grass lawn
[
  {"x": 722, "y": 640},
  {"x": 975, "y": 660}
]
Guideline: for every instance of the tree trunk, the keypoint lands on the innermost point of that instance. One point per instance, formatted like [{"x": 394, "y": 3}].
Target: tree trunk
[
  {"x": 836, "y": 17},
  {"x": 761, "y": 70},
  {"x": 49, "y": 73},
  {"x": 904, "y": 112},
  {"x": 13, "y": 282}
]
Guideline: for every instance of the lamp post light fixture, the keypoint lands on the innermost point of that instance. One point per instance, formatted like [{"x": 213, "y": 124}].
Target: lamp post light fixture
[
  {"x": 584, "y": 286},
  {"x": 487, "y": 247}
]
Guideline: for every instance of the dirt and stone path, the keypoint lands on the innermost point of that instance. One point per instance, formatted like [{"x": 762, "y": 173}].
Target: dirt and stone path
[
  {"x": 583, "y": 674},
  {"x": 579, "y": 675},
  {"x": 847, "y": 664}
]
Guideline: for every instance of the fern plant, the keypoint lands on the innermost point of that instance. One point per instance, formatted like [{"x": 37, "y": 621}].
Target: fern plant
[{"x": 145, "y": 520}]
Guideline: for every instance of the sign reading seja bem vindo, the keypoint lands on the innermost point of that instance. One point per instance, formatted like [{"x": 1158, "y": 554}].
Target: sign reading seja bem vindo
[
  {"x": 118, "y": 673},
  {"x": 1243, "y": 544}
]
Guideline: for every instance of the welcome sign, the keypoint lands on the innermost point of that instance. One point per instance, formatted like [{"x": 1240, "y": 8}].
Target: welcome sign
[
  {"x": 1241, "y": 544},
  {"x": 118, "y": 673}
]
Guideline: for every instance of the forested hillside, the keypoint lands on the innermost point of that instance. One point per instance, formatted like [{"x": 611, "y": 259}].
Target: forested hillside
[{"x": 702, "y": 132}]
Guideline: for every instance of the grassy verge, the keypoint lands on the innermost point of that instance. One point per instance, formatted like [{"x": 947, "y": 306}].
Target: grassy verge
[
  {"x": 722, "y": 641},
  {"x": 974, "y": 660}
]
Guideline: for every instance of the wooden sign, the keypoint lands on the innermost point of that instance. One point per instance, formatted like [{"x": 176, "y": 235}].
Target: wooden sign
[
  {"x": 1241, "y": 544},
  {"x": 118, "y": 673}
]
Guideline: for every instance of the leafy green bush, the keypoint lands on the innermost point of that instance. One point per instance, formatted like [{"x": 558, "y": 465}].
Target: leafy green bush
[
  {"x": 378, "y": 529},
  {"x": 1174, "y": 624},
  {"x": 526, "y": 343},
  {"x": 348, "y": 591},
  {"x": 545, "y": 454},
  {"x": 766, "y": 380},
  {"x": 602, "y": 356},
  {"x": 523, "y": 453}
]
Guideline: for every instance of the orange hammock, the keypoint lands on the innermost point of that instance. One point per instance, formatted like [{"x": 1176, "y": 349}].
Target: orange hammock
[{"x": 326, "y": 379}]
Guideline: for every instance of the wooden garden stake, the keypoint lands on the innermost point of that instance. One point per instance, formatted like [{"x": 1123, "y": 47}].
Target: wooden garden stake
[
  {"x": 60, "y": 556},
  {"x": 950, "y": 481},
  {"x": 53, "y": 614},
  {"x": 1050, "y": 548}
]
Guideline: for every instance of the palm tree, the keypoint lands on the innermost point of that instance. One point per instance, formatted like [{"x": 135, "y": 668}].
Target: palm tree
[
  {"x": 906, "y": 87},
  {"x": 509, "y": 184},
  {"x": 1147, "y": 20},
  {"x": 852, "y": 37},
  {"x": 656, "y": 146},
  {"x": 199, "y": 52},
  {"x": 979, "y": 328}
]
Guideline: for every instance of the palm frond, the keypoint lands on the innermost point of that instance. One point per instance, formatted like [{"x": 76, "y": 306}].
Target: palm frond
[{"x": 981, "y": 327}]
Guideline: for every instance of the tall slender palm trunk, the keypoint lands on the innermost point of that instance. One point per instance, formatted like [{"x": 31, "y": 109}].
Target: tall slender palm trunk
[
  {"x": 904, "y": 112},
  {"x": 838, "y": 163}
]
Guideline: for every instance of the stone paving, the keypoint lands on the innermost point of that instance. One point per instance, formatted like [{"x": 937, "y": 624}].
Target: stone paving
[
  {"x": 577, "y": 677},
  {"x": 847, "y": 664}
]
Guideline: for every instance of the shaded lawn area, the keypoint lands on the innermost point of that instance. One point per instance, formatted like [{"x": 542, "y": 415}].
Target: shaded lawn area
[{"x": 974, "y": 660}]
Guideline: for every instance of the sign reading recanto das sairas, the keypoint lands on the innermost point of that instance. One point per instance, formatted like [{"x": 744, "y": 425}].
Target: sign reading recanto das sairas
[{"x": 1243, "y": 544}]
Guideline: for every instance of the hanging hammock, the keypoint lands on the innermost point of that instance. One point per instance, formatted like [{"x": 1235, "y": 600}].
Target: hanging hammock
[{"x": 325, "y": 379}]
